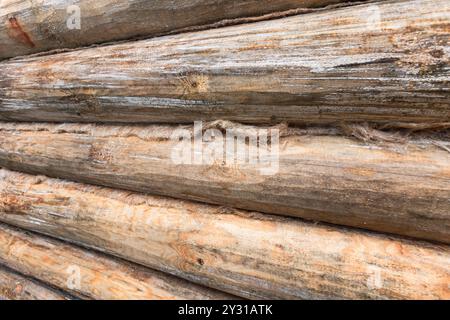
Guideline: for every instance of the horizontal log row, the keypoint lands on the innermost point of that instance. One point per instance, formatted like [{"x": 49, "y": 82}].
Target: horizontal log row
[
  {"x": 399, "y": 187},
  {"x": 34, "y": 26},
  {"x": 87, "y": 274},
  {"x": 380, "y": 62},
  {"x": 245, "y": 253},
  {"x": 14, "y": 286}
]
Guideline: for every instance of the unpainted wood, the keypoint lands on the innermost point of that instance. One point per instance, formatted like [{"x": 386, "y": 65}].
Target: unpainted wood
[
  {"x": 28, "y": 27},
  {"x": 14, "y": 286},
  {"x": 385, "y": 62},
  {"x": 398, "y": 187},
  {"x": 244, "y": 253},
  {"x": 89, "y": 274}
]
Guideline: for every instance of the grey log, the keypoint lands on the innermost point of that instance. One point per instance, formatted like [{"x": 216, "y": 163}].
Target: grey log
[
  {"x": 380, "y": 62},
  {"x": 28, "y": 27}
]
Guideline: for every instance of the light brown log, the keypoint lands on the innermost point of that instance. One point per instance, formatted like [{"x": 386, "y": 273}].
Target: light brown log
[
  {"x": 14, "y": 286},
  {"x": 401, "y": 187},
  {"x": 34, "y": 26},
  {"x": 88, "y": 274},
  {"x": 336, "y": 65},
  {"x": 244, "y": 253}
]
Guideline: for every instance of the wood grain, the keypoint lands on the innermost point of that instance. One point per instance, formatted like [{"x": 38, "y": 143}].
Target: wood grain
[
  {"x": 400, "y": 187},
  {"x": 14, "y": 286},
  {"x": 245, "y": 253},
  {"x": 34, "y": 26},
  {"x": 85, "y": 273},
  {"x": 331, "y": 66}
]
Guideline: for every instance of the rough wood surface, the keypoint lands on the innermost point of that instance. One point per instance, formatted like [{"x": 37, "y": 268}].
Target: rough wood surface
[
  {"x": 335, "y": 65},
  {"x": 245, "y": 253},
  {"x": 401, "y": 188},
  {"x": 17, "y": 287},
  {"x": 34, "y": 26},
  {"x": 89, "y": 274}
]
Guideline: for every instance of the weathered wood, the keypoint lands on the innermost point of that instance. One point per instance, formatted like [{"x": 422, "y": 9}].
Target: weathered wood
[
  {"x": 17, "y": 287},
  {"x": 336, "y": 65},
  {"x": 89, "y": 274},
  {"x": 245, "y": 253},
  {"x": 401, "y": 188},
  {"x": 34, "y": 26}
]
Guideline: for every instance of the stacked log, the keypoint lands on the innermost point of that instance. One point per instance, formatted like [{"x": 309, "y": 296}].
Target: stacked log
[
  {"x": 213, "y": 150},
  {"x": 332, "y": 66},
  {"x": 28, "y": 27},
  {"x": 14, "y": 286},
  {"x": 90, "y": 274},
  {"x": 244, "y": 253},
  {"x": 319, "y": 177}
]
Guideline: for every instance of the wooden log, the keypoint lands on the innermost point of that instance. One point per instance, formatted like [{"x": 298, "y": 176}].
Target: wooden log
[
  {"x": 382, "y": 62},
  {"x": 34, "y": 26},
  {"x": 245, "y": 253},
  {"x": 14, "y": 286},
  {"x": 89, "y": 274},
  {"x": 401, "y": 188}
]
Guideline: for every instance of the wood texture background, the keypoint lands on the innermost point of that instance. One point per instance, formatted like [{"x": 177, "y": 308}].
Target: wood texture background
[
  {"x": 34, "y": 26},
  {"x": 245, "y": 253},
  {"x": 101, "y": 277},
  {"x": 335, "y": 65},
  {"x": 384, "y": 62},
  {"x": 401, "y": 188},
  {"x": 17, "y": 287}
]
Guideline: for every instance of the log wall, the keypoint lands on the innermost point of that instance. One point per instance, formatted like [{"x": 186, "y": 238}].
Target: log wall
[
  {"x": 244, "y": 253},
  {"x": 399, "y": 187},
  {"x": 379, "y": 62},
  {"x": 89, "y": 274},
  {"x": 17, "y": 287},
  {"x": 34, "y": 26}
]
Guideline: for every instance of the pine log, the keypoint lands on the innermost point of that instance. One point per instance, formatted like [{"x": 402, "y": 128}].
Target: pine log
[
  {"x": 399, "y": 187},
  {"x": 381, "y": 62},
  {"x": 34, "y": 26},
  {"x": 244, "y": 253},
  {"x": 17, "y": 287},
  {"x": 89, "y": 274}
]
